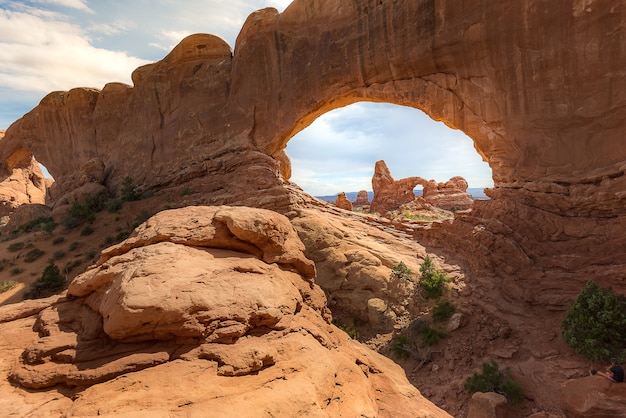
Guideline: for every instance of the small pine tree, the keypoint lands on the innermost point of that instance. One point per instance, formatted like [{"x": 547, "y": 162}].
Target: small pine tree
[
  {"x": 401, "y": 271},
  {"x": 433, "y": 281},
  {"x": 595, "y": 325},
  {"x": 50, "y": 281}
]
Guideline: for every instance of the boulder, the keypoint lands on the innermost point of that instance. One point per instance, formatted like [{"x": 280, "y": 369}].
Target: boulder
[
  {"x": 593, "y": 396},
  {"x": 197, "y": 305},
  {"x": 362, "y": 198}
]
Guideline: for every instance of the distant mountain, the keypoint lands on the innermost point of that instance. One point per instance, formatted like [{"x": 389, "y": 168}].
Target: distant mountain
[{"x": 478, "y": 193}]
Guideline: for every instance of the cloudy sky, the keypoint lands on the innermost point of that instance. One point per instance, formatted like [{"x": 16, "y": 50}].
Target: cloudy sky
[{"x": 48, "y": 45}]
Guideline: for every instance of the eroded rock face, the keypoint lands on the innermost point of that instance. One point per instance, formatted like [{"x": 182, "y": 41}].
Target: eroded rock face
[
  {"x": 451, "y": 195},
  {"x": 362, "y": 198},
  {"x": 218, "y": 295},
  {"x": 551, "y": 133},
  {"x": 593, "y": 396}
]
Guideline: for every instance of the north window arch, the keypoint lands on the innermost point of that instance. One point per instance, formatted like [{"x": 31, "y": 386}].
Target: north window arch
[{"x": 338, "y": 150}]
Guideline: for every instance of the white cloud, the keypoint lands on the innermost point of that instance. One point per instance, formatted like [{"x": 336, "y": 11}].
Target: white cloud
[
  {"x": 55, "y": 55},
  {"x": 72, "y": 4}
]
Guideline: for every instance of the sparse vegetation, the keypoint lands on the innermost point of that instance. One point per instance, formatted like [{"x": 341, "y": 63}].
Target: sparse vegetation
[
  {"x": 348, "y": 329},
  {"x": 402, "y": 347},
  {"x": 16, "y": 246},
  {"x": 87, "y": 230},
  {"x": 433, "y": 281},
  {"x": 114, "y": 205},
  {"x": 595, "y": 325},
  {"x": 58, "y": 240},
  {"x": 74, "y": 246},
  {"x": 50, "y": 281},
  {"x": 58, "y": 254},
  {"x": 43, "y": 223},
  {"x": 431, "y": 336},
  {"x": 15, "y": 271},
  {"x": 491, "y": 379},
  {"x": 6, "y": 285},
  {"x": 33, "y": 255},
  {"x": 186, "y": 191},
  {"x": 401, "y": 271},
  {"x": 443, "y": 311},
  {"x": 71, "y": 265},
  {"x": 129, "y": 191}
]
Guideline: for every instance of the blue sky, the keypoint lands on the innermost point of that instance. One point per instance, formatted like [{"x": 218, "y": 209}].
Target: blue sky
[{"x": 48, "y": 45}]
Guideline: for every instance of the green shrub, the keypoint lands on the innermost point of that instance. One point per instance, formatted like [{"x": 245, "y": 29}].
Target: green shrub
[
  {"x": 433, "y": 281},
  {"x": 129, "y": 191},
  {"x": 43, "y": 223},
  {"x": 443, "y": 311},
  {"x": 431, "y": 336},
  {"x": 402, "y": 347},
  {"x": 401, "y": 271},
  {"x": 33, "y": 255},
  {"x": 491, "y": 379},
  {"x": 15, "y": 271},
  {"x": 78, "y": 214},
  {"x": 58, "y": 254},
  {"x": 595, "y": 325},
  {"x": 87, "y": 230},
  {"x": 186, "y": 191},
  {"x": 6, "y": 285},
  {"x": 16, "y": 246},
  {"x": 50, "y": 281},
  {"x": 58, "y": 240},
  {"x": 74, "y": 246},
  {"x": 114, "y": 205},
  {"x": 348, "y": 329}
]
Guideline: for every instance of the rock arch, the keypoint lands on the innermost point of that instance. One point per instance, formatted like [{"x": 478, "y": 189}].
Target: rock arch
[{"x": 540, "y": 89}]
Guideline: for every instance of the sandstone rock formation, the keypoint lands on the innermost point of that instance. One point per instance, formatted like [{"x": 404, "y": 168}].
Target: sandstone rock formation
[
  {"x": 342, "y": 202},
  {"x": 539, "y": 88},
  {"x": 218, "y": 295},
  {"x": 362, "y": 198},
  {"x": 451, "y": 195},
  {"x": 389, "y": 194},
  {"x": 22, "y": 182},
  {"x": 593, "y": 396}
]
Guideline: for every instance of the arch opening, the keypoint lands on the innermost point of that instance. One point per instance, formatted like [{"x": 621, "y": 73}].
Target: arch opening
[{"x": 338, "y": 151}]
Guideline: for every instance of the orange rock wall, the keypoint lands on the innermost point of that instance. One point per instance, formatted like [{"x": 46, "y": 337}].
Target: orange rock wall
[{"x": 539, "y": 88}]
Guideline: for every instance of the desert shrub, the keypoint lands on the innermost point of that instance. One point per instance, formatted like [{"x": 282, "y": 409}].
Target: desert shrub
[
  {"x": 15, "y": 271},
  {"x": 58, "y": 240},
  {"x": 402, "y": 347},
  {"x": 6, "y": 285},
  {"x": 433, "y": 281},
  {"x": 78, "y": 214},
  {"x": 16, "y": 246},
  {"x": 443, "y": 311},
  {"x": 71, "y": 265},
  {"x": 431, "y": 336},
  {"x": 33, "y": 255},
  {"x": 43, "y": 223},
  {"x": 91, "y": 254},
  {"x": 74, "y": 246},
  {"x": 347, "y": 328},
  {"x": 87, "y": 230},
  {"x": 49, "y": 282},
  {"x": 129, "y": 191},
  {"x": 401, "y": 271},
  {"x": 114, "y": 205},
  {"x": 491, "y": 379},
  {"x": 595, "y": 325},
  {"x": 186, "y": 191},
  {"x": 58, "y": 254}
]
